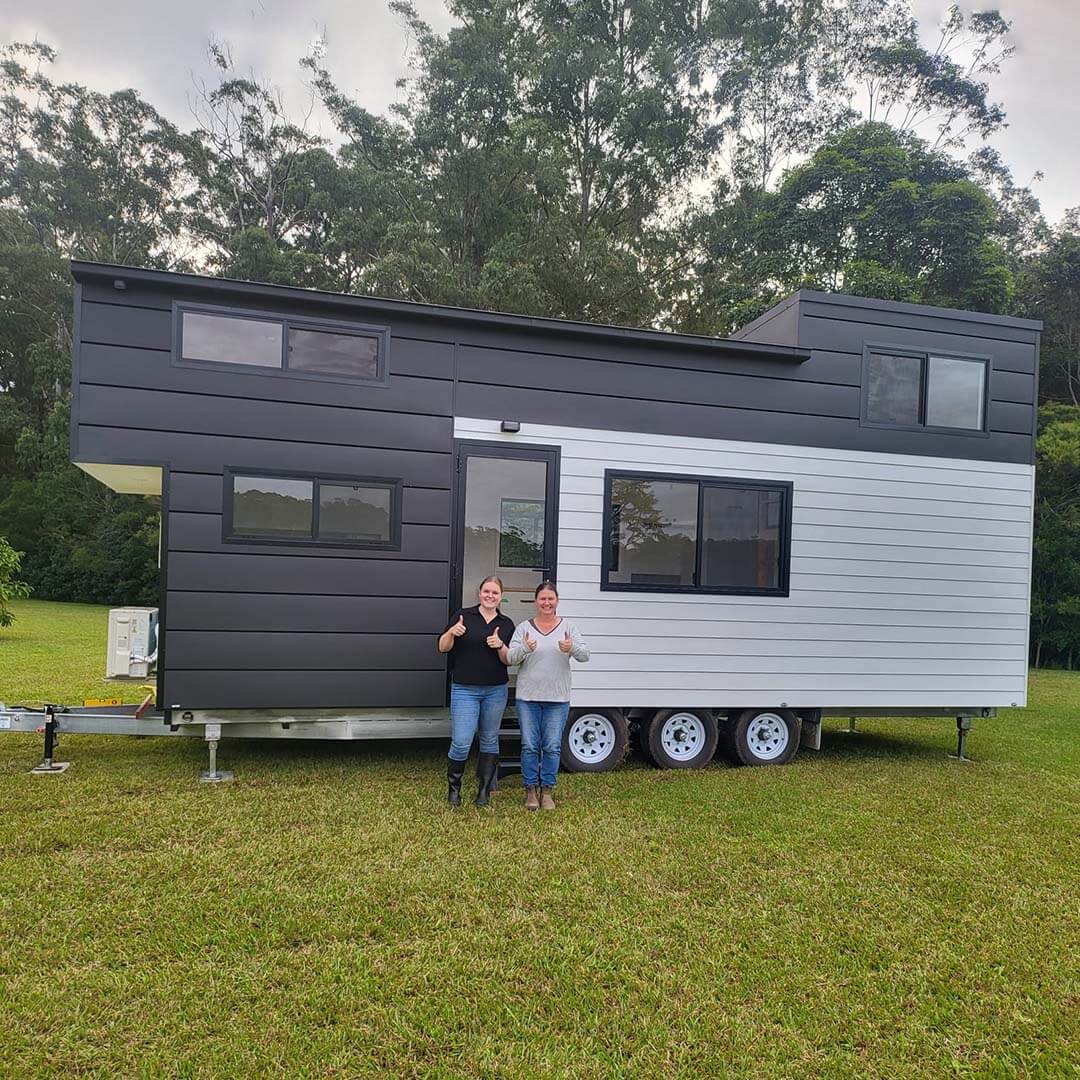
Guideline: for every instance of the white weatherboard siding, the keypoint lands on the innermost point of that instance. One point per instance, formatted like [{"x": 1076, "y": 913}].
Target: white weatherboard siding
[{"x": 910, "y": 581}]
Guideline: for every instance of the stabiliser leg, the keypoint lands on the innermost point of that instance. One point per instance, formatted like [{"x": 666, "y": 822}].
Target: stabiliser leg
[
  {"x": 48, "y": 767},
  {"x": 963, "y": 726},
  {"x": 214, "y": 775}
]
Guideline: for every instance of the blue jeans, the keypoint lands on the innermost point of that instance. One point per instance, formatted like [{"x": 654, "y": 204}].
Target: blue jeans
[
  {"x": 542, "y": 724},
  {"x": 472, "y": 707}
]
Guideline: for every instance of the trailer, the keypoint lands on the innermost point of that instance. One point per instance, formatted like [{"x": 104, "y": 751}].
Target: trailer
[{"x": 829, "y": 513}]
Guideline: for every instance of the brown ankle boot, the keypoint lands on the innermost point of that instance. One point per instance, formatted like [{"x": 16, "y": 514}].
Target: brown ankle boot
[
  {"x": 546, "y": 801},
  {"x": 532, "y": 798}
]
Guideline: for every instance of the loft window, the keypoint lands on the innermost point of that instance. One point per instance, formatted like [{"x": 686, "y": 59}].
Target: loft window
[
  {"x": 333, "y": 511},
  {"x": 923, "y": 390},
  {"x": 696, "y": 534},
  {"x": 284, "y": 345}
]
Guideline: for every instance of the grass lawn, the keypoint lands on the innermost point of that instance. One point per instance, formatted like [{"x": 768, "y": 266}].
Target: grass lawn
[{"x": 874, "y": 909}]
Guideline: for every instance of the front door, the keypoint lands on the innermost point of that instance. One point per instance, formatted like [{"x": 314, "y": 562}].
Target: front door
[{"x": 506, "y": 522}]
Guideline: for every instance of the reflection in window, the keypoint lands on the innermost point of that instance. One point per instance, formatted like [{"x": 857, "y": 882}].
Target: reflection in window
[
  {"x": 226, "y": 339},
  {"x": 741, "y": 537},
  {"x": 894, "y": 388},
  {"x": 325, "y": 353},
  {"x": 955, "y": 393},
  {"x": 654, "y": 533},
  {"x": 271, "y": 506},
  {"x": 354, "y": 512}
]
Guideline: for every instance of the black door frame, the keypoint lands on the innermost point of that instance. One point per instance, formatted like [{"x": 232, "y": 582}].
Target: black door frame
[{"x": 466, "y": 448}]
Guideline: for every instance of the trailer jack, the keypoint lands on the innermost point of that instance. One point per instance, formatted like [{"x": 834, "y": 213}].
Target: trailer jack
[
  {"x": 48, "y": 767},
  {"x": 213, "y": 775},
  {"x": 963, "y": 726}
]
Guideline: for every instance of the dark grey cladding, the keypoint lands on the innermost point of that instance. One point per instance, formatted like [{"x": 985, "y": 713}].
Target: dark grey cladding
[{"x": 264, "y": 624}]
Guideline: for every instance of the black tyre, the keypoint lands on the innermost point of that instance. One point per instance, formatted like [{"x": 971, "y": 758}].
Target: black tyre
[
  {"x": 681, "y": 738},
  {"x": 594, "y": 740},
  {"x": 764, "y": 736}
]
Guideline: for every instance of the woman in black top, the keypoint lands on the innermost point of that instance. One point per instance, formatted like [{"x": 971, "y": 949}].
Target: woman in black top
[{"x": 476, "y": 640}]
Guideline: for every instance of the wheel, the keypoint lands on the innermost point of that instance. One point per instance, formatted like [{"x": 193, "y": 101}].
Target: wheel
[
  {"x": 594, "y": 740},
  {"x": 681, "y": 738},
  {"x": 764, "y": 736}
]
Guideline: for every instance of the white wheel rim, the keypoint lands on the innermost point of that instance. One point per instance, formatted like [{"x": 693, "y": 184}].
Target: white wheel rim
[
  {"x": 591, "y": 738},
  {"x": 683, "y": 736},
  {"x": 767, "y": 736}
]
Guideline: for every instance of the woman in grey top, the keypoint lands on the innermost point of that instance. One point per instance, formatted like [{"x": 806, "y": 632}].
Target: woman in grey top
[{"x": 543, "y": 647}]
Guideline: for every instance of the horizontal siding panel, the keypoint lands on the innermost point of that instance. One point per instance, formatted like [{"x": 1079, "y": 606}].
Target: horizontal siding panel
[
  {"x": 112, "y": 365},
  {"x": 1012, "y": 386},
  {"x": 579, "y": 603},
  {"x": 888, "y": 604},
  {"x": 545, "y": 407},
  {"x": 263, "y": 651},
  {"x": 937, "y": 321},
  {"x": 119, "y": 324},
  {"x": 776, "y": 651},
  {"x": 714, "y": 387},
  {"x": 1017, "y": 354},
  {"x": 837, "y": 668},
  {"x": 205, "y": 414},
  {"x": 202, "y": 532},
  {"x": 802, "y": 699},
  {"x": 1008, "y": 416},
  {"x": 197, "y": 453},
  {"x": 717, "y": 632},
  {"x": 904, "y": 571},
  {"x": 649, "y": 680},
  {"x": 899, "y": 558},
  {"x": 311, "y": 574},
  {"x": 975, "y": 541},
  {"x": 209, "y": 611},
  {"x": 300, "y": 689},
  {"x": 983, "y": 522}
]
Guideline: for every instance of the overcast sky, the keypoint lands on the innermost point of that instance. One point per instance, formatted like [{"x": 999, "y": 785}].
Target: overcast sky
[{"x": 158, "y": 47}]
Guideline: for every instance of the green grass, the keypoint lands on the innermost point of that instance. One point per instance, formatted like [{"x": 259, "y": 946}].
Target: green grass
[
  {"x": 56, "y": 652},
  {"x": 871, "y": 910}
]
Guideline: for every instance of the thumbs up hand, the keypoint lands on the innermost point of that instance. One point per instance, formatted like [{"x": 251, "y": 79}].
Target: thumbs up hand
[
  {"x": 567, "y": 642},
  {"x": 530, "y": 644},
  {"x": 459, "y": 627},
  {"x": 494, "y": 641}
]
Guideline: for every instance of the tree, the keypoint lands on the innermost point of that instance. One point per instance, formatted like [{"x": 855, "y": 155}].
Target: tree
[
  {"x": 10, "y": 587},
  {"x": 1049, "y": 289},
  {"x": 874, "y": 212},
  {"x": 1055, "y": 585}
]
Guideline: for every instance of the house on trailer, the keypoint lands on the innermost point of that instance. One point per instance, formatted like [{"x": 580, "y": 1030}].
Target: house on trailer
[{"x": 829, "y": 512}]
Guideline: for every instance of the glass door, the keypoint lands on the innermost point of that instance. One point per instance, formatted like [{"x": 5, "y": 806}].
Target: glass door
[{"x": 506, "y": 522}]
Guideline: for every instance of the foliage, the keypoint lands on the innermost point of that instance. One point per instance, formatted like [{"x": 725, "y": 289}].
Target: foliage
[
  {"x": 1049, "y": 289},
  {"x": 1055, "y": 586},
  {"x": 873, "y": 212},
  {"x": 11, "y": 588}
]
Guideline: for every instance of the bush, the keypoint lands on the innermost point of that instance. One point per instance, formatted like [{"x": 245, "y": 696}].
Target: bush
[{"x": 10, "y": 587}]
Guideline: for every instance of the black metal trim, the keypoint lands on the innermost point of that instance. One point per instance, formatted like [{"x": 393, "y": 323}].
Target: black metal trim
[
  {"x": 785, "y": 487},
  {"x": 163, "y": 583},
  {"x": 925, "y": 355},
  {"x": 287, "y": 322},
  {"x": 229, "y": 536}
]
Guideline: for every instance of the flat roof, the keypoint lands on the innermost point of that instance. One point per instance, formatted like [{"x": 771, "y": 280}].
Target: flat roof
[{"x": 166, "y": 279}]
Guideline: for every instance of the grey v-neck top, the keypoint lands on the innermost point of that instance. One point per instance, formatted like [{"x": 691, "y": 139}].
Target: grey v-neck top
[{"x": 544, "y": 674}]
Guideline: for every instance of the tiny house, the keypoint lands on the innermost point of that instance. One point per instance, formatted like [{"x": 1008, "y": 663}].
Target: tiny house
[{"x": 829, "y": 512}]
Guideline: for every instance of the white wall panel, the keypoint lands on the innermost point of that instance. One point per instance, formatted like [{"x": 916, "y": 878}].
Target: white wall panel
[{"x": 910, "y": 581}]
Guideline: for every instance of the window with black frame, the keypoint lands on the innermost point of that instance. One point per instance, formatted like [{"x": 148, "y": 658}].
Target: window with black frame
[
  {"x": 282, "y": 344},
  {"x": 925, "y": 390},
  {"x": 312, "y": 510},
  {"x": 696, "y": 534}
]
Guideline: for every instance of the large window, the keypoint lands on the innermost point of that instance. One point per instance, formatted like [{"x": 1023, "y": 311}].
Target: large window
[
  {"x": 312, "y": 510},
  {"x": 282, "y": 344},
  {"x": 695, "y": 534},
  {"x": 924, "y": 390}
]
